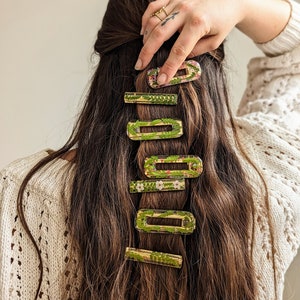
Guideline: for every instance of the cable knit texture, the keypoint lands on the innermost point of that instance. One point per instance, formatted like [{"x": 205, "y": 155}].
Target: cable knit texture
[{"x": 269, "y": 127}]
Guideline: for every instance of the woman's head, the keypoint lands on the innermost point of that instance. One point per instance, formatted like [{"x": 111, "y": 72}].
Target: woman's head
[{"x": 216, "y": 262}]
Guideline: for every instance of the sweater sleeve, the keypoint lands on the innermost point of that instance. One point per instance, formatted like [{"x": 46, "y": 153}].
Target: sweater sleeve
[
  {"x": 272, "y": 96},
  {"x": 45, "y": 210},
  {"x": 16, "y": 251},
  {"x": 269, "y": 125}
]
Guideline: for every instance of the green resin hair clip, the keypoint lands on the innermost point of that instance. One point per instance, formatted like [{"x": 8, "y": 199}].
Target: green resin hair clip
[
  {"x": 135, "y": 134},
  {"x": 162, "y": 185},
  {"x": 192, "y": 163},
  {"x": 153, "y": 257},
  {"x": 191, "y": 71},
  {"x": 144, "y": 98},
  {"x": 187, "y": 219}
]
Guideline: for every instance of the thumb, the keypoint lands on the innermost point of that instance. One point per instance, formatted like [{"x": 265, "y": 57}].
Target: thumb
[{"x": 206, "y": 44}]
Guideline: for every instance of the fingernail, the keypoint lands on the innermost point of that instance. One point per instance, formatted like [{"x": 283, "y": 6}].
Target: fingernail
[
  {"x": 139, "y": 64},
  {"x": 162, "y": 78}
]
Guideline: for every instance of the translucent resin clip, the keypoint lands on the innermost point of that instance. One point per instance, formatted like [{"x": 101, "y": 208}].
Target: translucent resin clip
[
  {"x": 135, "y": 134},
  {"x": 147, "y": 220},
  {"x": 162, "y": 185},
  {"x": 144, "y": 98},
  {"x": 189, "y": 166},
  {"x": 190, "y": 70},
  {"x": 153, "y": 257}
]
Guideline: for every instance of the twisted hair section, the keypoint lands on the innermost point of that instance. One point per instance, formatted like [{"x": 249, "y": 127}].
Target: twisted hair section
[{"x": 214, "y": 199}]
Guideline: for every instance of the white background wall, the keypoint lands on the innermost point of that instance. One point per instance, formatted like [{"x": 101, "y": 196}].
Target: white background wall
[{"x": 45, "y": 66}]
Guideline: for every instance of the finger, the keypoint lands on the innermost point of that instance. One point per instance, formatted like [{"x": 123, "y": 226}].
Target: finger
[
  {"x": 156, "y": 20},
  {"x": 158, "y": 36},
  {"x": 190, "y": 35},
  {"x": 153, "y": 7},
  {"x": 152, "y": 22},
  {"x": 206, "y": 44}
]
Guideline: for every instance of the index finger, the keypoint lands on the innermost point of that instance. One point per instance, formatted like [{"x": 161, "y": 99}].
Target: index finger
[
  {"x": 162, "y": 32},
  {"x": 191, "y": 33}
]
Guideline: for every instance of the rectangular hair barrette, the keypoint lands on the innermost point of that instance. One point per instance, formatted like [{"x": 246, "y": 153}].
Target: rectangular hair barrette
[
  {"x": 135, "y": 134},
  {"x": 161, "y": 185},
  {"x": 147, "y": 98},
  {"x": 193, "y": 166},
  {"x": 186, "y": 218},
  {"x": 154, "y": 257},
  {"x": 191, "y": 71}
]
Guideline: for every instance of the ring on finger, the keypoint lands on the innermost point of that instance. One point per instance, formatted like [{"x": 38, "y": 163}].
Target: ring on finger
[{"x": 157, "y": 13}]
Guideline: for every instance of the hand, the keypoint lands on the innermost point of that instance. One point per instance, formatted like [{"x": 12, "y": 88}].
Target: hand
[{"x": 203, "y": 25}]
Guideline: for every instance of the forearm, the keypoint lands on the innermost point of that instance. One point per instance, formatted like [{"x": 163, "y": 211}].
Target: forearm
[{"x": 264, "y": 19}]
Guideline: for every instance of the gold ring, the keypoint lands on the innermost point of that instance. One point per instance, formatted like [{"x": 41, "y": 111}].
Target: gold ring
[{"x": 156, "y": 14}]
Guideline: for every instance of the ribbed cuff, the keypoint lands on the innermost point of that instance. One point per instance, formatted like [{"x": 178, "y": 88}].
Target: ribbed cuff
[{"x": 289, "y": 38}]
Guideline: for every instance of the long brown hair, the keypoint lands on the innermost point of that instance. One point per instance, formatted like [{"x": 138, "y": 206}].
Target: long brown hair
[{"x": 216, "y": 257}]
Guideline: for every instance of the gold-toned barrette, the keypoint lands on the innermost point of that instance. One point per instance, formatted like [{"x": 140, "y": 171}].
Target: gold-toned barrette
[{"x": 191, "y": 71}]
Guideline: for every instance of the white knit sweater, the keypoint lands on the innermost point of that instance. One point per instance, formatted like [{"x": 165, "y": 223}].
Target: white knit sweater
[{"x": 269, "y": 127}]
